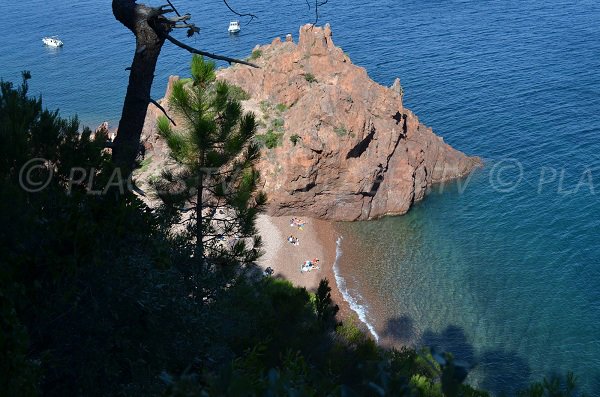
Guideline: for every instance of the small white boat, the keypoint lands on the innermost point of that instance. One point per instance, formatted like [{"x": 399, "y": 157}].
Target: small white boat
[
  {"x": 53, "y": 41},
  {"x": 234, "y": 27}
]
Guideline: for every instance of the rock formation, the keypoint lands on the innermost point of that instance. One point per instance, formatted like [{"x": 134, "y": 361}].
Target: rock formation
[{"x": 347, "y": 147}]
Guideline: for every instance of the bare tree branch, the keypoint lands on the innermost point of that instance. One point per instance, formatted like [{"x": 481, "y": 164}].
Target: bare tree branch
[
  {"x": 180, "y": 18},
  {"x": 162, "y": 10},
  {"x": 184, "y": 26},
  {"x": 158, "y": 105},
  {"x": 206, "y": 54},
  {"x": 317, "y": 5},
  {"x": 173, "y": 7},
  {"x": 252, "y": 16}
]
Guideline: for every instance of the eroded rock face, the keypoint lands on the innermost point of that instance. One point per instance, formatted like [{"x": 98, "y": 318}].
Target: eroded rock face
[{"x": 349, "y": 150}]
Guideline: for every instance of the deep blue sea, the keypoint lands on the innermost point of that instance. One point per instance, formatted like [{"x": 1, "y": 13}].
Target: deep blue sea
[{"x": 502, "y": 268}]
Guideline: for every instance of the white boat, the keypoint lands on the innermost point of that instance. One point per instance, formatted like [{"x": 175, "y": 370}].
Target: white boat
[
  {"x": 53, "y": 41},
  {"x": 234, "y": 27}
]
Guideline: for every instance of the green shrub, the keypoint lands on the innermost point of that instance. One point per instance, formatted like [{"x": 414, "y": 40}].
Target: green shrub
[
  {"x": 341, "y": 131},
  {"x": 255, "y": 54},
  {"x": 270, "y": 139},
  {"x": 349, "y": 332},
  {"x": 273, "y": 140},
  {"x": 281, "y": 107},
  {"x": 310, "y": 78},
  {"x": 295, "y": 139},
  {"x": 278, "y": 124},
  {"x": 237, "y": 93}
]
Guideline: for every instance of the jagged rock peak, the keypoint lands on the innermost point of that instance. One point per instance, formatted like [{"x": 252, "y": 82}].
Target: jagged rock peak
[{"x": 347, "y": 148}]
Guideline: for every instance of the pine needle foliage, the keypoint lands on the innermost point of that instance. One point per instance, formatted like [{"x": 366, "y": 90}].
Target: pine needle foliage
[{"x": 214, "y": 179}]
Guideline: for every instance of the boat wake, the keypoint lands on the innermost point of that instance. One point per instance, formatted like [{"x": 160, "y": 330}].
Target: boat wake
[{"x": 359, "y": 309}]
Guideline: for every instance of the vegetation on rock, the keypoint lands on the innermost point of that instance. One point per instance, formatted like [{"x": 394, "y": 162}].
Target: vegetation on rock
[
  {"x": 270, "y": 139},
  {"x": 310, "y": 78},
  {"x": 295, "y": 138},
  {"x": 255, "y": 55}
]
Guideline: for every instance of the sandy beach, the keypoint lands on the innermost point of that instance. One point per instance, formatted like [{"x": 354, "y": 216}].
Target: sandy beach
[{"x": 317, "y": 239}]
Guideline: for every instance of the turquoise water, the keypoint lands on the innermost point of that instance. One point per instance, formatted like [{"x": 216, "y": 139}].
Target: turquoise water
[{"x": 502, "y": 269}]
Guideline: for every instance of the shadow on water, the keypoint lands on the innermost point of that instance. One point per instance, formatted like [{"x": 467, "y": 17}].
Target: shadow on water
[
  {"x": 502, "y": 372},
  {"x": 400, "y": 329},
  {"x": 452, "y": 339}
]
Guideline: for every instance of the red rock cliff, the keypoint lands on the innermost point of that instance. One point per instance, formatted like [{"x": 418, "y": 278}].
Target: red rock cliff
[{"x": 349, "y": 149}]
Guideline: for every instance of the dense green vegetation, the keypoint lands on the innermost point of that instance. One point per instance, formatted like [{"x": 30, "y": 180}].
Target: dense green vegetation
[{"x": 100, "y": 296}]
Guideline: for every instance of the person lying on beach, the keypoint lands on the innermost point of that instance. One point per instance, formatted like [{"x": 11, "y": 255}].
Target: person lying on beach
[
  {"x": 297, "y": 222},
  {"x": 293, "y": 240},
  {"x": 308, "y": 266}
]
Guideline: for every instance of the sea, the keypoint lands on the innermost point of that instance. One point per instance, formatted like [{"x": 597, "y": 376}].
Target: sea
[{"x": 501, "y": 268}]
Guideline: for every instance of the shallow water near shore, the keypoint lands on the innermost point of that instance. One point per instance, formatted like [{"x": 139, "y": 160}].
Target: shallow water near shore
[
  {"x": 503, "y": 268},
  {"x": 512, "y": 297}
]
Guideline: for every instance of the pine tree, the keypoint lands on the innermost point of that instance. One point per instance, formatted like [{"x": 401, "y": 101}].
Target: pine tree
[
  {"x": 213, "y": 185},
  {"x": 325, "y": 308}
]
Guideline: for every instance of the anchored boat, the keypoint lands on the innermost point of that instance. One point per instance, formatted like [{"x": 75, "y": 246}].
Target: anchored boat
[
  {"x": 53, "y": 41},
  {"x": 234, "y": 27}
]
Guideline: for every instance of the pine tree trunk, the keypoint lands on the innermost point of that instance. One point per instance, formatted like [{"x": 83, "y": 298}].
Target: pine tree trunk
[
  {"x": 139, "y": 19},
  {"x": 199, "y": 220}
]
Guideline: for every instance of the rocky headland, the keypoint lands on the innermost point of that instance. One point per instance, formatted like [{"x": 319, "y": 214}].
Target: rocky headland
[{"x": 338, "y": 146}]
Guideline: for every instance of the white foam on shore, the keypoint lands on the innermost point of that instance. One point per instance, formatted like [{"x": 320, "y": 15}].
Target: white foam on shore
[{"x": 359, "y": 309}]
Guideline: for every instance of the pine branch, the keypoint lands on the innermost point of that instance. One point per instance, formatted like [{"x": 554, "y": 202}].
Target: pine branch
[{"x": 206, "y": 54}]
